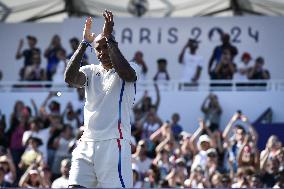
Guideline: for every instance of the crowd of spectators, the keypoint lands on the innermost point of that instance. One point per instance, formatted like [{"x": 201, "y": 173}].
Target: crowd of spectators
[
  {"x": 222, "y": 64},
  {"x": 55, "y": 55},
  {"x": 37, "y": 143},
  {"x": 164, "y": 155}
]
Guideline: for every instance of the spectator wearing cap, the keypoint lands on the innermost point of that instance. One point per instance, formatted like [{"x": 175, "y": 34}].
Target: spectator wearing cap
[
  {"x": 218, "y": 51},
  {"x": 191, "y": 61},
  {"x": 31, "y": 178},
  {"x": 243, "y": 67},
  {"x": 27, "y": 53},
  {"x": 51, "y": 55},
  {"x": 162, "y": 72},
  {"x": 74, "y": 44},
  {"x": 6, "y": 162},
  {"x": 258, "y": 71},
  {"x": 204, "y": 143},
  {"x": 200, "y": 145},
  {"x": 62, "y": 181}
]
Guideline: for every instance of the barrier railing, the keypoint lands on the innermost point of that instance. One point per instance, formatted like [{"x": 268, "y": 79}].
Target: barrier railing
[{"x": 203, "y": 85}]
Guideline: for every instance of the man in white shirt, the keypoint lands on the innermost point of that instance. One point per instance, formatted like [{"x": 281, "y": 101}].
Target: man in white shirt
[
  {"x": 103, "y": 156},
  {"x": 62, "y": 182},
  {"x": 191, "y": 61}
]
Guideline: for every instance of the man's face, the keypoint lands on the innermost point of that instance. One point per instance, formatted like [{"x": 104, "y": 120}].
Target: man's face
[
  {"x": 193, "y": 46},
  {"x": 102, "y": 51},
  {"x": 226, "y": 57},
  {"x": 74, "y": 45},
  {"x": 239, "y": 134},
  {"x": 31, "y": 43}
]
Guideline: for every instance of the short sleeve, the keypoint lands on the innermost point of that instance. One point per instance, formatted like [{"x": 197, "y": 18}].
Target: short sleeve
[
  {"x": 87, "y": 70},
  {"x": 136, "y": 68}
]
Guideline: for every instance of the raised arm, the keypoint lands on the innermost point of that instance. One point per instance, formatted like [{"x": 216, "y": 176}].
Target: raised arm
[
  {"x": 195, "y": 136},
  {"x": 229, "y": 126},
  {"x": 181, "y": 55},
  {"x": 120, "y": 64},
  {"x": 72, "y": 75},
  {"x": 158, "y": 97},
  {"x": 19, "y": 53}
]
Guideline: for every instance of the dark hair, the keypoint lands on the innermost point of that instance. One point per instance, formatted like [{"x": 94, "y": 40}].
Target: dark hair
[
  {"x": 241, "y": 128},
  {"x": 161, "y": 61},
  {"x": 259, "y": 59}
]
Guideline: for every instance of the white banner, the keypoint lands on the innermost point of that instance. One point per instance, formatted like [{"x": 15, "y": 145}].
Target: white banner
[{"x": 159, "y": 38}]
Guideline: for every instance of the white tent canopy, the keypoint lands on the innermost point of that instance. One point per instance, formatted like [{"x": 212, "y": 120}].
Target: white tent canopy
[{"x": 58, "y": 10}]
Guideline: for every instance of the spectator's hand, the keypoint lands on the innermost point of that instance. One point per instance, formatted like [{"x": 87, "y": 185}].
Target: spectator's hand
[
  {"x": 244, "y": 118},
  {"x": 108, "y": 25},
  {"x": 87, "y": 35}
]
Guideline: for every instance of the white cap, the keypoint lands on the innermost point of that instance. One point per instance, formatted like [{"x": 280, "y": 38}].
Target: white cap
[
  {"x": 33, "y": 171},
  {"x": 204, "y": 138}
]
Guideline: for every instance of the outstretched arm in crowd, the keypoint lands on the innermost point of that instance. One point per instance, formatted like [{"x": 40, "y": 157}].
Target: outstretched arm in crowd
[
  {"x": 251, "y": 128},
  {"x": 34, "y": 107},
  {"x": 42, "y": 110},
  {"x": 204, "y": 106},
  {"x": 195, "y": 136},
  {"x": 19, "y": 53},
  {"x": 230, "y": 126},
  {"x": 25, "y": 177},
  {"x": 157, "y": 104},
  {"x": 181, "y": 55}
]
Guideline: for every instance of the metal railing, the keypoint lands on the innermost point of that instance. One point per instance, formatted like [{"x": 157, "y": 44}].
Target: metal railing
[{"x": 173, "y": 85}]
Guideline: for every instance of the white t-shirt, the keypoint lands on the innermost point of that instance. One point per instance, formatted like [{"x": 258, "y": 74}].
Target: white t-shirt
[
  {"x": 109, "y": 102},
  {"x": 42, "y": 134},
  {"x": 58, "y": 76},
  {"x": 191, "y": 63},
  {"x": 241, "y": 68},
  {"x": 60, "y": 182},
  {"x": 143, "y": 166}
]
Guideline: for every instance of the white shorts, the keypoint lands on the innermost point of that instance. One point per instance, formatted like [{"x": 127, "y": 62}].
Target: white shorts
[{"x": 103, "y": 164}]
